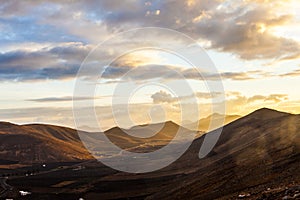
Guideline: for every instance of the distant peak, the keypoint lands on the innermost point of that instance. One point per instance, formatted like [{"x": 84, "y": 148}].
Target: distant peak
[
  {"x": 6, "y": 124},
  {"x": 267, "y": 109},
  {"x": 170, "y": 123},
  {"x": 264, "y": 109},
  {"x": 166, "y": 123},
  {"x": 216, "y": 115},
  {"x": 268, "y": 113}
]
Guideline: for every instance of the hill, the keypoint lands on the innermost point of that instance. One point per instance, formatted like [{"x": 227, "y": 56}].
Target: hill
[
  {"x": 36, "y": 143},
  {"x": 40, "y": 143},
  {"x": 145, "y": 138},
  {"x": 257, "y": 156},
  {"x": 255, "y": 152}
]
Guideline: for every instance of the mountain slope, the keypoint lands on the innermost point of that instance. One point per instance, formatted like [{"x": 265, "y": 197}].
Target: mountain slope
[
  {"x": 40, "y": 143},
  {"x": 204, "y": 123},
  {"x": 257, "y": 151},
  {"x": 47, "y": 143},
  {"x": 254, "y": 153}
]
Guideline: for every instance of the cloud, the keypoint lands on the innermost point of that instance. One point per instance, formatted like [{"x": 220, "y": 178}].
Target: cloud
[
  {"x": 236, "y": 103},
  {"x": 62, "y": 99},
  {"x": 246, "y": 31},
  {"x": 58, "y": 62},
  {"x": 276, "y": 97},
  {"x": 53, "y": 115},
  {"x": 273, "y": 97},
  {"x": 62, "y": 61},
  {"x": 240, "y": 27},
  {"x": 238, "y": 76},
  {"x": 244, "y": 28},
  {"x": 291, "y": 74},
  {"x": 171, "y": 72},
  {"x": 202, "y": 75},
  {"x": 237, "y": 96},
  {"x": 164, "y": 97}
]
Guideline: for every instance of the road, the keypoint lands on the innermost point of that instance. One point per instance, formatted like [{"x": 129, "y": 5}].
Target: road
[{"x": 5, "y": 187}]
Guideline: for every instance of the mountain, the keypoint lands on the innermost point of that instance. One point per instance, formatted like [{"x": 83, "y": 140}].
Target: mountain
[
  {"x": 256, "y": 157},
  {"x": 40, "y": 143},
  {"x": 204, "y": 123},
  {"x": 255, "y": 152},
  {"x": 141, "y": 138}
]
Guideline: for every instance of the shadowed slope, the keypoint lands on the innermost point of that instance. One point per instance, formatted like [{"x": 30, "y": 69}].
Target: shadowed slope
[{"x": 257, "y": 151}]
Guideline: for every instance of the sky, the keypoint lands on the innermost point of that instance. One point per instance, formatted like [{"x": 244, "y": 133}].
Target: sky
[{"x": 253, "y": 44}]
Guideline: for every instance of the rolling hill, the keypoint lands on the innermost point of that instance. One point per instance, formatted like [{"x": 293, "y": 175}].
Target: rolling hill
[
  {"x": 36, "y": 143},
  {"x": 40, "y": 143}
]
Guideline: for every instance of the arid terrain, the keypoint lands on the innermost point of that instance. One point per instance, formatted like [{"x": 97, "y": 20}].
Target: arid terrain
[{"x": 256, "y": 157}]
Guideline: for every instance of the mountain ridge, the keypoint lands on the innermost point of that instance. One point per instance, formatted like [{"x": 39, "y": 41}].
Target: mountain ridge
[
  {"x": 53, "y": 135},
  {"x": 251, "y": 154},
  {"x": 258, "y": 151}
]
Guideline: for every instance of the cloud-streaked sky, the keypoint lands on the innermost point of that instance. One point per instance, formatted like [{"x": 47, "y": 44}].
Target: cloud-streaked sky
[{"x": 254, "y": 44}]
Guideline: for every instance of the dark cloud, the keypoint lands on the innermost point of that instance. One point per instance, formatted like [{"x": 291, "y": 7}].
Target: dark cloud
[
  {"x": 241, "y": 27},
  {"x": 169, "y": 72},
  {"x": 63, "y": 61},
  {"x": 115, "y": 72},
  {"x": 48, "y": 63}
]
